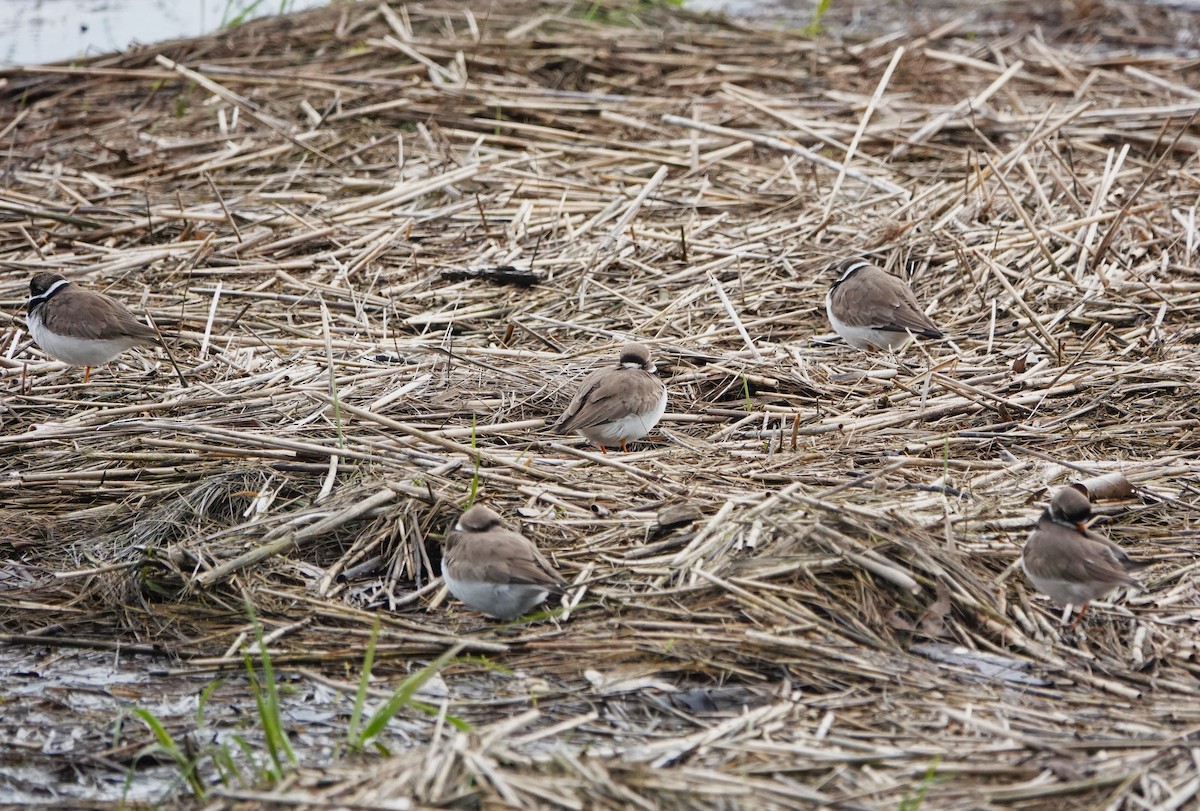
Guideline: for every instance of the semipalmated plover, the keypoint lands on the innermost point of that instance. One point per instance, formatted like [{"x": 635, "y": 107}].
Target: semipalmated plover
[
  {"x": 873, "y": 310},
  {"x": 81, "y": 327},
  {"x": 1068, "y": 563},
  {"x": 494, "y": 569},
  {"x": 617, "y": 404}
]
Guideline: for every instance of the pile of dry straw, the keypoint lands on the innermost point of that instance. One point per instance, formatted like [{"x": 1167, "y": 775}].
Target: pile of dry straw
[{"x": 386, "y": 242}]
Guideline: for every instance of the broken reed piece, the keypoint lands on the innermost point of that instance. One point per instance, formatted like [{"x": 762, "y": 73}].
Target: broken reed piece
[
  {"x": 677, "y": 515},
  {"x": 1108, "y": 486}
]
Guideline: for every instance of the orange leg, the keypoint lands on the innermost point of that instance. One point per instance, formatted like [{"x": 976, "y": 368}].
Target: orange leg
[
  {"x": 1078, "y": 617},
  {"x": 624, "y": 447},
  {"x": 87, "y": 373},
  {"x": 603, "y": 451}
]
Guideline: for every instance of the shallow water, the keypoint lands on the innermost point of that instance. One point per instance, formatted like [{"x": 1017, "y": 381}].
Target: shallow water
[
  {"x": 40, "y": 31},
  {"x": 37, "y": 31},
  {"x": 69, "y": 730}
]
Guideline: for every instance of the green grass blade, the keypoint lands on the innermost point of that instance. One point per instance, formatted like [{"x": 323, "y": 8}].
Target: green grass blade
[
  {"x": 249, "y": 754},
  {"x": 360, "y": 698},
  {"x": 474, "y": 478},
  {"x": 403, "y": 695},
  {"x": 913, "y": 801},
  {"x": 815, "y": 27},
  {"x": 266, "y": 698},
  {"x": 452, "y": 720},
  {"x": 166, "y": 743},
  {"x": 205, "y": 695}
]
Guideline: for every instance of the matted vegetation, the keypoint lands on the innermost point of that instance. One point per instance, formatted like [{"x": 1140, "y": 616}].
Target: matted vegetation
[{"x": 385, "y": 241}]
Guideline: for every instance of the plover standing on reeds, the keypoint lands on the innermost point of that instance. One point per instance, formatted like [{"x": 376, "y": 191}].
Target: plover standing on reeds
[
  {"x": 81, "y": 327},
  {"x": 873, "y": 310},
  {"x": 494, "y": 569},
  {"x": 1068, "y": 563},
  {"x": 617, "y": 404}
]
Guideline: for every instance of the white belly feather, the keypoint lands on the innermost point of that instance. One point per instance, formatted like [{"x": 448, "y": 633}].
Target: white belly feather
[
  {"x": 626, "y": 429},
  {"x": 865, "y": 338},
  {"x": 505, "y": 601},
  {"x": 77, "y": 351}
]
